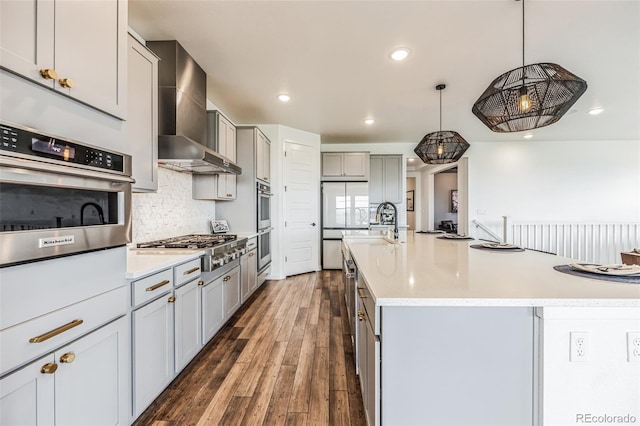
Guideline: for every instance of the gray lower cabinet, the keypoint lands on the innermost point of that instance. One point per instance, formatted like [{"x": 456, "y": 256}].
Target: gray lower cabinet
[
  {"x": 153, "y": 354},
  {"x": 85, "y": 382},
  {"x": 141, "y": 127},
  {"x": 188, "y": 335},
  {"x": 212, "y": 309},
  {"x": 231, "y": 291},
  {"x": 248, "y": 274}
]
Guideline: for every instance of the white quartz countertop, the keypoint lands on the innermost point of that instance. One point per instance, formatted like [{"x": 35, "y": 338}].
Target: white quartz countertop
[
  {"x": 427, "y": 271},
  {"x": 148, "y": 261}
]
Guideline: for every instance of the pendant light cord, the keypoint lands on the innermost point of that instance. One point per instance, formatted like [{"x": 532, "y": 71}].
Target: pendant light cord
[
  {"x": 523, "y": 36},
  {"x": 440, "y": 110}
]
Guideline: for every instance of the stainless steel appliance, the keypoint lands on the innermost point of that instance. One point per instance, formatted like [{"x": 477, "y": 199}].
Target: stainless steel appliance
[
  {"x": 345, "y": 206},
  {"x": 264, "y": 206},
  {"x": 264, "y": 249},
  {"x": 59, "y": 196},
  {"x": 220, "y": 249},
  {"x": 182, "y": 115}
]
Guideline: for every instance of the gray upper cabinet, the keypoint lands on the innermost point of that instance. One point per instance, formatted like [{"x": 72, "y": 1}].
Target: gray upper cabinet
[
  {"x": 222, "y": 138},
  {"x": 263, "y": 158},
  {"x": 77, "y": 48},
  {"x": 142, "y": 125},
  {"x": 349, "y": 166},
  {"x": 385, "y": 183}
]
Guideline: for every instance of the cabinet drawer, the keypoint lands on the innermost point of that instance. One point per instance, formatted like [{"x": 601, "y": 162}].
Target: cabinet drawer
[
  {"x": 152, "y": 286},
  {"x": 58, "y": 327},
  {"x": 369, "y": 305},
  {"x": 252, "y": 243},
  {"x": 186, "y": 272}
]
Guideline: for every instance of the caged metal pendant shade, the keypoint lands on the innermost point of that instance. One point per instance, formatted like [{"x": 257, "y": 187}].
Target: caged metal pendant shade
[
  {"x": 441, "y": 147},
  {"x": 528, "y": 97}
]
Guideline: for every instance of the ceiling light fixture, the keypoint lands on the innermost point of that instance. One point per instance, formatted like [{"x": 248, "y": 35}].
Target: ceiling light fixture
[
  {"x": 369, "y": 121},
  {"x": 283, "y": 97},
  {"x": 596, "y": 111},
  {"x": 528, "y": 97},
  {"x": 442, "y": 146},
  {"x": 400, "y": 54}
]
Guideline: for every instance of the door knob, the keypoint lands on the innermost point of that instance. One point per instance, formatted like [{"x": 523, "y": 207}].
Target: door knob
[{"x": 313, "y": 224}]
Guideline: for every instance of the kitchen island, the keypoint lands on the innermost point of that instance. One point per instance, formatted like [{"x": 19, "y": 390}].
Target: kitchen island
[{"x": 448, "y": 334}]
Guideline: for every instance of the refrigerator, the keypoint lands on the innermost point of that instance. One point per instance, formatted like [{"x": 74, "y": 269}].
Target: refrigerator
[{"x": 345, "y": 206}]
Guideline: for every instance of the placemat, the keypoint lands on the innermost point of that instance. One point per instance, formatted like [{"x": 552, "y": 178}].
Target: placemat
[
  {"x": 456, "y": 239},
  {"x": 566, "y": 269},
  {"x": 496, "y": 250}
]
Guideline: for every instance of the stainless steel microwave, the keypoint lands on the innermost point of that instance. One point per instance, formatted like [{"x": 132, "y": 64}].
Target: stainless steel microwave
[{"x": 59, "y": 196}]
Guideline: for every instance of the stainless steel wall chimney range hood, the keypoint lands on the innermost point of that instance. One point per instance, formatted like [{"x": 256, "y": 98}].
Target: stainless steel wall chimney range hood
[{"x": 182, "y": 114}]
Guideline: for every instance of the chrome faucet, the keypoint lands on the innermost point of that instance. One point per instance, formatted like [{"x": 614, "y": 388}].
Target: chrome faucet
[
  {"x": 95, "y": 206},
  {"x": 382, "y": 205}
]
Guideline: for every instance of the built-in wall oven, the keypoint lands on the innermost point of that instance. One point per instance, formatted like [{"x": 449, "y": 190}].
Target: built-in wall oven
[
  {"x": 264, "y": 206},
  {"x": 59, "y": 196},
  {"x": 264, "y": 249}
]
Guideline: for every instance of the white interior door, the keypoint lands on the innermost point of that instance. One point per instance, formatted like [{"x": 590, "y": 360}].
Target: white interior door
[{"x": 301, "y": 231}]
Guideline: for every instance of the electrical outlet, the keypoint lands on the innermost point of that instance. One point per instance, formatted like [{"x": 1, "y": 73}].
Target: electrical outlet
[
  {"x": 579, "y": 346},
  {"x": 633, "y": 346}
]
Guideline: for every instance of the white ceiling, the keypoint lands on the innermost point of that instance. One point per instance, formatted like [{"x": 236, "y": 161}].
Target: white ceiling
[{"x": 332, "y": 57}]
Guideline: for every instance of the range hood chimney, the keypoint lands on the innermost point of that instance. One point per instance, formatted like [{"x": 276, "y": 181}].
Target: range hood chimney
[{"x": 182, "y": 114}]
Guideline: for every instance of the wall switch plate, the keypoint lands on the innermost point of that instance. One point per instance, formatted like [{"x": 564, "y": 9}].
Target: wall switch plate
[
  {"x": 579, "y": 346},
  {"x": 633, "y": 346}
]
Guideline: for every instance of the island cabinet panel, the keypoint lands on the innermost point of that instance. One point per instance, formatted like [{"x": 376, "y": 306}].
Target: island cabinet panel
[{"x": 457, "y": 365}]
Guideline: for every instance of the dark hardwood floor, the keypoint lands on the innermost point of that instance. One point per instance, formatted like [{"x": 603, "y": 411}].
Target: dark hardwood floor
[{"x": 285, "y": 358}]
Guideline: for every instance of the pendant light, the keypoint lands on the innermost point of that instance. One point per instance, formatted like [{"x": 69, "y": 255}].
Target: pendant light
[
  {"x": 528, "y": 97},
  {"x": 442, "y": 146}
]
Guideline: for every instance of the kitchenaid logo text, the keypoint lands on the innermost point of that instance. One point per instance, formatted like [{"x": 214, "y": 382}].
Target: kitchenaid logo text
[
  {"x": 56, "y": 241},
  {"x": 604, "y": 419}
]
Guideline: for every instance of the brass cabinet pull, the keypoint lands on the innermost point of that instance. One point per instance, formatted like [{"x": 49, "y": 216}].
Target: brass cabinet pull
[
  {"x": 172, "y": 299},
  {"x": 48, "y": 74},
  {"x": 191, "y": 271},
  {"x": 265, "y": 178},
  {"x": 200, "y": 282},
  {"x": 67, "y": 83},
  {"x": 48, "y": 335},
  {"x": 49, "y": 368},
  {"x": 229, "y": 195},
  {"x": 157, "y": 286},
  {"x": 251, "y": 254},
  {"x": 227, "y": 278},
  {"x": 68, "y": 358},
  {"x": 360, "y": 316}
]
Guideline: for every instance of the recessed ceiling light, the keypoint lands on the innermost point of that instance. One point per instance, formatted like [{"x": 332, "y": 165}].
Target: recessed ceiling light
[
  {"x": 283, "y": 97},
  {"x": 596, "y": 111},
  {"x": 369, "y": 121},
  {"x": 400, "y": 54},
  {"x": 528, "y": 136}
]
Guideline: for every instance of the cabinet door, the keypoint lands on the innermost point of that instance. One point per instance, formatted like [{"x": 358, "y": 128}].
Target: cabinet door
[
  {"x": 332, "y": 164},
  {"x": 393, "y": 179},
  {"x": 376, "y": 180},
  {"x": 355, "y": 164},
  {"x": 142, "y": 113},
  {"x": 227, "y": 147},
  {"x": 252, "y": 268},
  {"x": 92, "y": 381},
  {"x": 372, "y": 374},
  {"x": 231, "y": 290},
  {"x": 26, "y": 38},
  {"x": 244, "y": 277},
  {"x": 90, "y": 46},
  {"x": 152, "y": 351},
  {"x": 188, "y": 337},
  {"x": 263, "y": 157},
  {"x": 212, "y": 309},
  {"x": 27, "y": 396}
]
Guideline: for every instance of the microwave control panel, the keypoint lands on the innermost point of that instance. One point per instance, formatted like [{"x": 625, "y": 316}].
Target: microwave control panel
[{"x": 42, "y": 146}]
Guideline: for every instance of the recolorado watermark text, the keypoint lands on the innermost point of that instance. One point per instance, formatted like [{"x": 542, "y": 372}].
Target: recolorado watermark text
[{"x": 588, "y": 418}]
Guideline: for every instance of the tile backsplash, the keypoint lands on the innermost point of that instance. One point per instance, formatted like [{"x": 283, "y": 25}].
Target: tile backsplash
[{"x": 171, "y": 211}]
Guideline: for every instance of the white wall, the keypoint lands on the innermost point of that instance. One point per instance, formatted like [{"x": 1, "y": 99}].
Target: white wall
[
  {"x": 568, "y": 181},
  {"x": 411, "y": 215},
  {"x": 278, "y": 134},
  {"x": 171, "y": 211}
]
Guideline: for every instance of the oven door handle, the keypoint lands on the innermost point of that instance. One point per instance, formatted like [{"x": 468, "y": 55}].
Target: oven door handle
[
  {"x": 264, "y": 231},
  {"x": 15, "y": 171}
]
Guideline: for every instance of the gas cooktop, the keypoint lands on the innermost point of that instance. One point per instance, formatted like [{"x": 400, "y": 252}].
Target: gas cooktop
[{"x": 193, "y": 241}]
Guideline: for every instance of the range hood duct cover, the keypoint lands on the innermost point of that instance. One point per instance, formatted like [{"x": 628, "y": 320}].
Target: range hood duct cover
[{"x": 182, "y": 114}]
